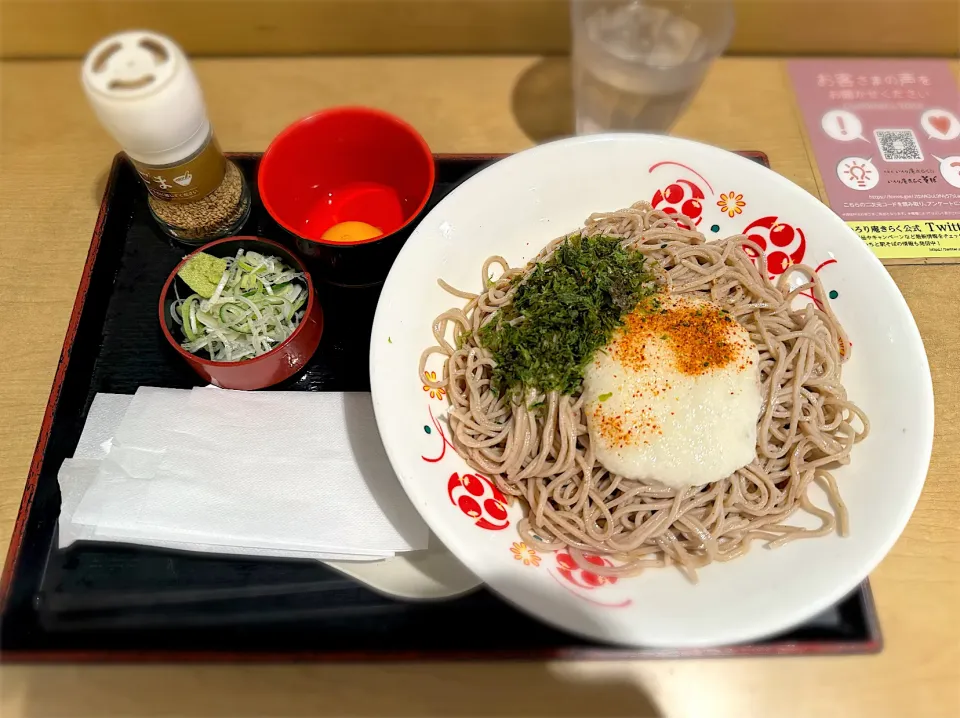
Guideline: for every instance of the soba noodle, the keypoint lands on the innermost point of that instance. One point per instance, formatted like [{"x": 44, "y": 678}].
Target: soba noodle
[{"x": 543, "y": 456}]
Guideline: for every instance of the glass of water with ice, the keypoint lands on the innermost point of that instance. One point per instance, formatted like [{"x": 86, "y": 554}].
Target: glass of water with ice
[{"x": 637, "y": 63}]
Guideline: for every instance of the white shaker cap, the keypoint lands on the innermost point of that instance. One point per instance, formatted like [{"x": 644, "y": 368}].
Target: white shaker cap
[{"x": 144, "y": 92}]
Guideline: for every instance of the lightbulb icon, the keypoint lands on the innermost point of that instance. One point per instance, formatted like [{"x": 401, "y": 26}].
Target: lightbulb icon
[{"x": 857, "y": 173}]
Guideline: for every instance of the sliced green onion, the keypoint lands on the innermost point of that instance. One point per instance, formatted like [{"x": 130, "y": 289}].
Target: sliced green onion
[
  {"x": 188, "y": 314},
  {"x": 257, "y": 304}
]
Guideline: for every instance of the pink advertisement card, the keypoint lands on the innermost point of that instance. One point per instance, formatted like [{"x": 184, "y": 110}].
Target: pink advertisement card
[{"x": 885, "y": 135}]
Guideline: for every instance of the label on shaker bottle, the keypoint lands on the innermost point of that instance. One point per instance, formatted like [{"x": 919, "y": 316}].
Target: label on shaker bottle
[{"x": 188, "y": 180}]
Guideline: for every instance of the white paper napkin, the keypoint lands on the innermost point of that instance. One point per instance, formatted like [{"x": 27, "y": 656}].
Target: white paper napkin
[
  {"x": 217, "y": 470},
  {"x": 336, "y": 433},
  {"x": 151, "y": 418},
  {"x": 106, "y": 412},
  {"x": 149, "y": 427},
  {"x": 77, "y": 476}
]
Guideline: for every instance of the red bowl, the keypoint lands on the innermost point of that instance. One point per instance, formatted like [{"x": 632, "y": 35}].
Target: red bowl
[
  {"x": 281, "y": 362},
  {"x": 347, "y": 164}
]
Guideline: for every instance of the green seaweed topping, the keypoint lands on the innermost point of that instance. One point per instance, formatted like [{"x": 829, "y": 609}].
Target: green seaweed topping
[{"x": 564, "y": 310}]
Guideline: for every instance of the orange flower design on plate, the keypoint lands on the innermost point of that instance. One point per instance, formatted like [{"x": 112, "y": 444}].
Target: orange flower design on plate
[
  {"x": 731, "y": 203},
  {"x": 521, "y": 552},
  {"x": 435, "y": 392}
]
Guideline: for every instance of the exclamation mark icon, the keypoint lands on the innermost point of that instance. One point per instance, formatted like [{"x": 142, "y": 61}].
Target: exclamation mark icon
[{"x": 843, "y": 129}]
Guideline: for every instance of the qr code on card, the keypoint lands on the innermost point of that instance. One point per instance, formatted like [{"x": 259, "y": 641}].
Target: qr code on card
[{"x": 898, "y": 145}]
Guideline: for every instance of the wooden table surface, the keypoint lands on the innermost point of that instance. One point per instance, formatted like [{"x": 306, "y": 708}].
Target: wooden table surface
[{"x": 54, "y": 159}]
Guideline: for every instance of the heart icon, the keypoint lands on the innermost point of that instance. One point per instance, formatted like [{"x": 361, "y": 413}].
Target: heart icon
[{"x": 941, "y": 123}]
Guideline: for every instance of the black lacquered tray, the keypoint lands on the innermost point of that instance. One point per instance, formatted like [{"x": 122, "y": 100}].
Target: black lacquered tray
[{"x": 99, "y": 601}]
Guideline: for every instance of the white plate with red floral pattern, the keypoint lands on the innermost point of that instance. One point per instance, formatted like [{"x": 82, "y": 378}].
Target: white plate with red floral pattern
[{"x": 516, "y": 206}]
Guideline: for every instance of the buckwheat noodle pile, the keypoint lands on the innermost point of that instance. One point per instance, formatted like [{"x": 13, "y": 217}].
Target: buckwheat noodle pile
[{"x": 543, "y": 456}]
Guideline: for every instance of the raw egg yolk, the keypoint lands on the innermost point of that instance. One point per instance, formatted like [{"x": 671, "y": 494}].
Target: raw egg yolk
[{"x": 351, "y": 232}]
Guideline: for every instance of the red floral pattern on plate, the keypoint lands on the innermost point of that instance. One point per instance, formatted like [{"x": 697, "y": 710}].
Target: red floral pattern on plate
[
  {"x": 480, "y": 499},
  {"x": 790, "y": 241},
  {"x": 568, "y": 568},
  {"x": 683, "y": 195},
  {"x": 577, "y": 580}
]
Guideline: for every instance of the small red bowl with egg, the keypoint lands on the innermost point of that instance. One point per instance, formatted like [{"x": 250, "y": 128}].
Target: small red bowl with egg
[
  {"x": 276, "y": 365},
  {"x": 347, "y": 183}
]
